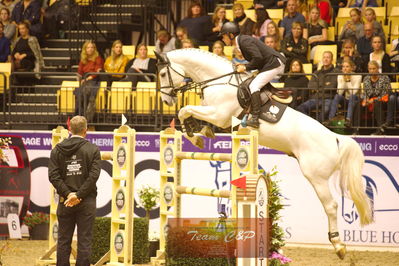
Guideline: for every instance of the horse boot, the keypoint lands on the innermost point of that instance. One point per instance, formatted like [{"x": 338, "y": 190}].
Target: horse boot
[{"x": 255, "y": 110}]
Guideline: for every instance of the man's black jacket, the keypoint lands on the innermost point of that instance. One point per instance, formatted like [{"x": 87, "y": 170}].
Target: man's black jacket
[{"x": 75, "y": 166}]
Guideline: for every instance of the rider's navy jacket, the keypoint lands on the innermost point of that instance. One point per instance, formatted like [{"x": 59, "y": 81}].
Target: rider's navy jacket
[{"x": 259, "y": 55}]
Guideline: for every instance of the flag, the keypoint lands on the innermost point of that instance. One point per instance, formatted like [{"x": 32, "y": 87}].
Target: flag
[{"x": 240, "y": 182}]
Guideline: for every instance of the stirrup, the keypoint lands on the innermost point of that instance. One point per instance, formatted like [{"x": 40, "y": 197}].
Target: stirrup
[{"x": 253, "y": 123}]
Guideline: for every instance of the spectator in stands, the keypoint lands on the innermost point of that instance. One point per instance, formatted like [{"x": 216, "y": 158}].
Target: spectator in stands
[
  {"x": 348, "y": 91},
  {"x": 325, "y": 10},
  {"x": 165, "y": 42},
  {"x": 116, "y": 62},
  {"x": 315, "y": 31},
  {"x": 246, "y": 24},
  {"x": 376, "y": 90},
  {"x": 348, "y": 50},
  {"x": 218, "y": 49},
  {"x": 218, "y": 19},
  {"x": 28, "y": 10},
  {"x": 271, "y": 42},
  {"x": 323, "y": 88},
  {"x": 379, "y": 55},
  {"x": 9, "y": 4},
  {"x": 4, "y": 46},
  {"x": 85, "y": 95},
  {"x": 336, "y": 4},
  {"x": 262, "y": 20},
  {"x": 238, "y": 58},
  {"x": 294, "y": 46},
  {"x": 269, "y": 4},
  {"x": 9, "y": 28},
  {"x": 199, "y": 25},
  {"x": 362, "y": 3},
  {"x": 26, "y": 55},
  {"x": 394, "y": 53},
  {"x": 371, "y": 17},
  {"x": 187, "y": 43},
  {"x": 272, "y": 30},
  {"x": 297, "y": 83},
  {"x": 141, "y": 64},
  {"x": 353, "y": 29},
  {"x": 302, "y": 8},
  {"x": 364, "y": 43},
  {"x": 292, "y": 16},
  {"x": 181, "y": 34}
]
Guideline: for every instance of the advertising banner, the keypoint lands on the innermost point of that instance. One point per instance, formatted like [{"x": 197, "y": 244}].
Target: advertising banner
[{"x": 303, "y": 217}]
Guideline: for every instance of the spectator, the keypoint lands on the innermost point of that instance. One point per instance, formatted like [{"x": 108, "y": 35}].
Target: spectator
[
  {"x": 379, "y": 55},
  {"x": 187, "y": 43},
  {"x": 348, "y": 91},
  {"x": 348, "y": 50},
  {"x": 294, "y": 46},
  {"x": 336, "y": 4},
  {"x": 246, "y": 24},
  {"x": 165, "y": 42},
  {"x": 28, "y": 10},
  {"x": 9, "y": 28},
  {"x": 364, "y": 43},
  {"x": 370, "y": 16},
  {"x": 9, "y": 4},
  {"x": 292, "y": 16},
  {"x": 323, "y": 88},
  {"x": 302, "y": 8},
  {"x": 272, "y": 30},
  {"x": 181, "y": 34},
  {"x": 238, "y": 58},
  {"x": 4, "y": 46},
  {"x": 198, "y": 25},
  {"x": 376, "y": 90},
  {"x": 315, "y": 31},
  {"x": 26, "y": 55},
  {"x": 297, "y": 82},
  {"x": 394, "y": 53},
  {"x": 141, "y": 64},
  {"x": 271, "y": 42},
  {"x": 325, "y": 10},
  {"x": 393, "y": 104},
  {"x": 116, "y": 62},
  {"x": 85, "y": 95},
  {"x": 353, "y": 29},
  {"x": 218, "y": 19},
  {"x": 362, "y": 3},
  {"x": 218, "y": 49},
  {"x": 262, "y": 20},
  {"x": 269, "y": 4}
]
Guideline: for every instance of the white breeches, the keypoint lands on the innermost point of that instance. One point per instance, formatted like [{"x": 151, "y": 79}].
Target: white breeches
[{"x": 265, "y": 77}]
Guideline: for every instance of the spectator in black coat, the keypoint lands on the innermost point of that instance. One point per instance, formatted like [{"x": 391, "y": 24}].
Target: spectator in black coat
[
  {"x": 298, "y": 84},
  {"x": 295, "y": 46},
  {"x": 28, "y": 10},
  {"x": 240, "y": 18}
]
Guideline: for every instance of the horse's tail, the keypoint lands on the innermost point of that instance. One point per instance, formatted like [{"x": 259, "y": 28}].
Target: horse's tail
[{"x": 351, "y": 165}]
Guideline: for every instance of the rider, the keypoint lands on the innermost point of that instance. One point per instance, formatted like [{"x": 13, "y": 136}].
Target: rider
[{"x": 269, "y": 62}]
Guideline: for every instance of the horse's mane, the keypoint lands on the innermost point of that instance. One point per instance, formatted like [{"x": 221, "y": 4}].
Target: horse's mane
[{"x": 201, "y": 53}]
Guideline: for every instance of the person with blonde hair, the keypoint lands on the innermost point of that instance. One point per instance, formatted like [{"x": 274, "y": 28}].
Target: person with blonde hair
[
  {"x": 371, "y": 17},
  {"x": 218, "y": 19},
  {"x": 348, "y": 89},
  {"x": 240, "y": 18},
  {"x": 315, "y": 31},
  {"x": 90, "y": 61},
  {"x": 349, "y": 51},
  {"x": 218, "y": 49},
  {"x": 272, "y": 30},
  {"x": 116, "y": 62}
]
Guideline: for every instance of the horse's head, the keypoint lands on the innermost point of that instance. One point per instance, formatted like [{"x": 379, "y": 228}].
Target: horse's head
[{"x": 170, "y": 78}]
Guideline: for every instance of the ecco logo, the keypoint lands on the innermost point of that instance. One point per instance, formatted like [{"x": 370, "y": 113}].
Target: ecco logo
[
  {"x": 142, "y": 143},
  {"x": 388, "y": 147}
]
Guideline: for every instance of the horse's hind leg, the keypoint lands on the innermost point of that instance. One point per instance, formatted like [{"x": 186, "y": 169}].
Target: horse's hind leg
[{"x": 330, "y": 207}]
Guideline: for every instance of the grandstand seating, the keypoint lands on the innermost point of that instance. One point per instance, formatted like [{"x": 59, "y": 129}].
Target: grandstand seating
[{"x": 119, "y": 97}]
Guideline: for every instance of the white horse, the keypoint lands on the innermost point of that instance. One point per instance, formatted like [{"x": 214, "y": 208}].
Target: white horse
[{"x": 320, "y": 152}]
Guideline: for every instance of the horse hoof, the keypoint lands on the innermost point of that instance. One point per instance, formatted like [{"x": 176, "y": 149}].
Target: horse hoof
[
  {"x": 198, "y": 142},
  {"x": 208, "y": 132},
  {"x": 341, "y": 252}
]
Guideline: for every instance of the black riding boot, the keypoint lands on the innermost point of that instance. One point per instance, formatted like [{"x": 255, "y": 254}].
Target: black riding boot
[{"x": 255, "y": 110}]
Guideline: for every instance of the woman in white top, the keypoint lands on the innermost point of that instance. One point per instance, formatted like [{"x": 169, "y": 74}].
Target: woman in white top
[{"x": 348, "y": 91}]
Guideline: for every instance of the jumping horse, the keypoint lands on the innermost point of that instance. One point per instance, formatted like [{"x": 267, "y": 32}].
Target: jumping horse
[{"x": 320, "y": 152}]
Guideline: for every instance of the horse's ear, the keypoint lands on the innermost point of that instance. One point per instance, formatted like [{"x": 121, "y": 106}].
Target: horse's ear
[{"x": 160, "y": 57}]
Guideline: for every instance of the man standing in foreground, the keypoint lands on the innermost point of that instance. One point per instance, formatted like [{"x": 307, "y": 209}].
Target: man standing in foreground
[{"x": 74, "y": 169}]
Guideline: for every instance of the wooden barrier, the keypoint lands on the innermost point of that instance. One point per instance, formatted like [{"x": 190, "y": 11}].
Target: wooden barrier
[
  {"x": 122, "y": 157},
  {"x": 244, "y": 159}
]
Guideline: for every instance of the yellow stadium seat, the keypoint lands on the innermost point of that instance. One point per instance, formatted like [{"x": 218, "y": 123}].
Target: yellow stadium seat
[
  {"x": 380, "y": 13},
  {"x": 228, "y": 51},
  {"x": 101, "y": 97},
  {"x": 331, "y": 34},
  {"x": 246, "y": 3},
  {"x": 342, "y": 17},
  {"x": 395, "y": 86},
  {"x": 278, "y": 85},
  {"x": 83, "y": 2},
  {"x": 144, "y": 98},
  {"x": 192, "y": 98},
  {"x": 6, "y": 69},
  {"x": 320, "y": 49},
  {"x": 204, "y": 47},
  {"x": 151, "y": 50},
  {"x": 276, "y": 14},
  {"x": 308, "y": 69},
  {"x": 129, "y": 51},
  {"x": 65, "y": 97},
  {"x": 119, "y": 98},
  {"x": 389, "y": 4}
]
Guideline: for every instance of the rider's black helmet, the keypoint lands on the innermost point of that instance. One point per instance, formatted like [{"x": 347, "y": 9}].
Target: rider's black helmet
[{"x": 230, "y": 27}]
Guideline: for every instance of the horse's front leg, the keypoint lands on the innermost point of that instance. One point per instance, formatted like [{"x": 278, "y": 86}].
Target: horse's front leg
[{"x": 187, "y": 116}]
